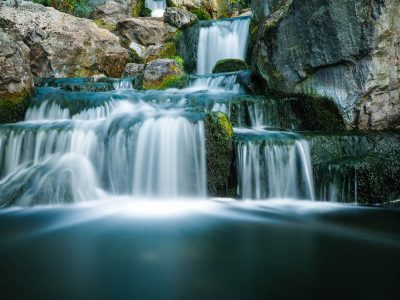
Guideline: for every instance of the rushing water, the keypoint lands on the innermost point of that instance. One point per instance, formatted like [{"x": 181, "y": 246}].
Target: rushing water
[
  {"x": 273, "y": 165},
  {"x": 157, "y": 7},
  {"x": 221, "y": 39}
]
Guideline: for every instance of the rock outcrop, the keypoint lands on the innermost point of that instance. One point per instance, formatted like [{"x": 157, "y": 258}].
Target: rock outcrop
[
  {"x": 149, "y": 38},
  {"x": 162, "y": 73},
  {"x": 179, "y": 17},
  {"x": 348, "y": 51},
  {"x": 16, "y": 81},
  {"x": 62, "y": 45},
  {"x": 111, "y": 12}
]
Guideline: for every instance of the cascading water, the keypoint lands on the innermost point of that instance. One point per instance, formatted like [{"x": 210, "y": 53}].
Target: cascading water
[
  {"x": 157, "y": 7},
  {"x": 273, "y": 164},
  {"x": 221, "y": 39},
  {"x": 122, "y": 147}
]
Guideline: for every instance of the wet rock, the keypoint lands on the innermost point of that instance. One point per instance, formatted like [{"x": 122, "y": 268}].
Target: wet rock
[
  {"x": 229, "y": 65},
  {"x": 133, "y": 69},
  {"x": 187, "y": 46},
  {"x": 219, "y": 148},
  {"x": 356, "y": 167},
  {"x": 62, "y": 45},
  {"x": 345, "y": 50},
  {"x": 16, "y": 82},
  {"x": 162, "y": 73},
  {"x": 179, "y": 17}
]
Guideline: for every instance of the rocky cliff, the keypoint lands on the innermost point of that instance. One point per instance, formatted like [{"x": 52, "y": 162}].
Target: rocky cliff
[
  {"x": 62, "y": 45},
  {"x": 347, "y": 50}
]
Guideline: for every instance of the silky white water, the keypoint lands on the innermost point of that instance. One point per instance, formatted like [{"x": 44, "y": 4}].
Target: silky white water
[
  {"x": 157, "y": 7},
  {"x": 221, "y": 39},
  {"x": 118, "y": 148},
  {"x": 273, "y": 165}
]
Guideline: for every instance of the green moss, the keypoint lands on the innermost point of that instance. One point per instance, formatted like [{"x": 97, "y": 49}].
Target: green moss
[
  {"x": 140, "y": 10},
  {"x": 219, "y": 148},
  {"x": 13, "y": 107},
  {"x": 79, "y": 8},
  {"x": 201, "y": 13},
  {"x": 168, "y": 50},
  {"x": 102, "y": 24},
  {"x": 173, "y": 81},
  {"x": 134, "y": 57},
  {"x": 229, "y": 65}
]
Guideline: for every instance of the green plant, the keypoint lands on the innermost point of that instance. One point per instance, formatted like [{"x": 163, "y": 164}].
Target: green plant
[
  {"x": 201, "y": 13},
  {"x": 79, "y": 8}
]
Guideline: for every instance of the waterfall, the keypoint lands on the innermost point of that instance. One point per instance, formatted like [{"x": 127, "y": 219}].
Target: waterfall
[
  {"x": 221, "y": 39},
  {"x": 157, "y": 7},
  {"x": 118, "y": 148},
  {"x": 227, "y": 82},
  {"x": 273, "y": 165}
]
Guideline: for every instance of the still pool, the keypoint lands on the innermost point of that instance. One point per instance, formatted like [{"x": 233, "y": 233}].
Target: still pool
[{"x": 278, "y": 249}]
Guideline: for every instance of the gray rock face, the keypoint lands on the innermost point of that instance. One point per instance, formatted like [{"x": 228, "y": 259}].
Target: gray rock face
[
  {"x": 111, "y": 12},
  {"x": 62, "y": 45},
  {"x": 146, "y": 36},
  {"x": 346, "y": 50},
  {"x": 15, "y": 72},
  {"x": 263, "y": 8},
  {"x": 158, "y": 71},
  {"x": 132, "y": 70},
  {"x": 188, "y": 46},
  {"x": 145, "y": 31},
  {"x": 179, "y": 17},
  {"x": 16, "y": 81}
]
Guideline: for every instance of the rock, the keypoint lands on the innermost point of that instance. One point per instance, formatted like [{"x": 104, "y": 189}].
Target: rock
[
  {"x": 162, "y": 73},
  {"x": 62, "y": 45},
  {"x": 366, "y": 161},
  {"x": 179, "y": 17},
  {"x": 16, "y": 81},
  {"x": 149, "y": 38},
  {"x": 111, "y": 13},
  {"x": 263, "y": 8},
  {"x": 229, "y": 65},
  {"x": 132, "y": 70},
  {"x": 187, "y": 46},
  {"x": 220, "y": 154},
  {"x": 345, "y": 50},
  {"x": 145, "y": 31}
]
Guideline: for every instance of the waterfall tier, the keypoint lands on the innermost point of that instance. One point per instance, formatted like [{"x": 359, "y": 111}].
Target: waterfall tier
[{"x": 221, "y": 39}]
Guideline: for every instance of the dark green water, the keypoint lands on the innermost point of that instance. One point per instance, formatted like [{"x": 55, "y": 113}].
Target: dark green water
[{"x": 200, "y": 250}]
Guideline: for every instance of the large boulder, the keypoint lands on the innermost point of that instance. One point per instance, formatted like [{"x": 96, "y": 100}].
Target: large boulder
[
  {"x": 148, "y": 38},
  {"x": 229, "y": 65},
  {"x": 162, "y": 73},
  {"x": 111, "y": 13},
  {"x": 345, "y": 50},
  {"x": 179, "y": 17},
  {"x": 62, "y": 45},
  {"x": 132, "y": 70},
  {"x": 16, "y": 81}
]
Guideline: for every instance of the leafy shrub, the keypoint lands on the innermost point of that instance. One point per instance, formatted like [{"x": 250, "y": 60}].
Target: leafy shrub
[{"x": 79, "y": 8}]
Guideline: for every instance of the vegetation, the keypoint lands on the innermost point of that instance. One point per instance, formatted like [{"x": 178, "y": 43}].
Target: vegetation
[
  {"x": 173, "y": 81},
  {"x": 13, "y": 107},
  {"x": 229, "y": 65},
  {"x": 201, "y": 13},
  {"x": 102, "y": 24},
  {"x": 79, "y": 8}
]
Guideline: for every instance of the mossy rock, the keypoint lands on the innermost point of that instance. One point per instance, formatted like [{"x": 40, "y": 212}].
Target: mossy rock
[
  {"x": 220, "y": 155},
  {"x": 13, "y": 106},
  {"x": 229, "y": 65},
  {"x": 311, "y": 112},
  {"x": 140, "y": 10},
  {"x": 173, "y": 81},
  {"x": 102, "y": 24},
  {"x": 201, "y": 13}
]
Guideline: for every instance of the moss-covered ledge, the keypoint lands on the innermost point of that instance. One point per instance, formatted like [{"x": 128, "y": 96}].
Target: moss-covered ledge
[
  {"x": 220, "y": 155},
  {"x": 13, "y": 106}
]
